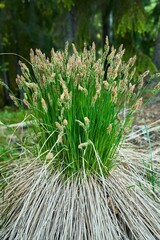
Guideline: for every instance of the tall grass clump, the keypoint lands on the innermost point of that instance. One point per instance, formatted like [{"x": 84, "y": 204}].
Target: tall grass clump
[
  {"x": 82, "y": 105},
  {"x": 81, "y": 180}
]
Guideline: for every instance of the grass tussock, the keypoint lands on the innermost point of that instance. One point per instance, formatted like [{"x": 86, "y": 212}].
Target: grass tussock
[
  {"x": 79, "y": 180},
  {"x": 83, "y": 102}
]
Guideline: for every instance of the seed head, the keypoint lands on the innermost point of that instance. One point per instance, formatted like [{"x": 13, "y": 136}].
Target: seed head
[
  {"x": 26, "y": 102},
  {"x": 111, "y": 55},
  {"x": 87, "y": 121},
  {"x": 138, "y": 104},
  {"x": 74, "y": 48},
  {"x": 20, "y": 80},
  {"x": 81, "y": 123},
  {"x": 131, "y": 62},
  {"x": 23, "y": 65},
  {"x": 60, "y": 135},
  {"x": 31, "y": 55},
  {"x": 49, "y": 156},
  {"x": 106, "y": 84},
  {"x": 132, "y": 73},
  {"x": 145, "y": 74},
  {"x": 83, "y": 145},
  {"x": 80, "y": 88},
  {"x": 131, "y": 88},
  {"x": 114, "y": 94},
  {"x": 120, "y": 48},
  {"x": 12, "y": 97},
  {"x": 109, "y": 129},
  {"x": 98, "y": 91},
  {"x": 65, "y": 122},
  {"x": 157, "y": 87},
  {"x": 93, "y": 46},
  {"x": 44, "y": 105},
  {"x": 59, "y": 126},
  {"x": 107, "y": 41}
]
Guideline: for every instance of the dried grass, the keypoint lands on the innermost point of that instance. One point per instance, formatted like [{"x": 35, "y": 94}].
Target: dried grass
[{"x": 40, "y": 204}]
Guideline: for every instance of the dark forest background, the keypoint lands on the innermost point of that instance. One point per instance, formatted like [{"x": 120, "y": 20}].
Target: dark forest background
[{"x": 47, "y": 24}]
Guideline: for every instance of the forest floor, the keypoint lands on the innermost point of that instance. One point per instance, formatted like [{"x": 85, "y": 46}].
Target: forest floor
[{"x": 149, "y": 117}]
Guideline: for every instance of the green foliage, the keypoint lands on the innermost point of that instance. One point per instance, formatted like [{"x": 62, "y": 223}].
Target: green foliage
[
  {"x": 9, "y": 116},
  {"x": 6, "y": 154},
  {"x": 67, "y": 3},
  {"x": 144, "y": 62},
  {"x": 81, "y": 116},
  {"x": 2, "y": 5},
  {"x": 4, "y": 67},
  {"x": 133, "y": 20}
]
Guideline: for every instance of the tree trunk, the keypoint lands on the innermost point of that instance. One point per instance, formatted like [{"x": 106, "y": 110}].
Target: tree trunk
[
  {"x": 71, "y": 25},
  {"x": 156, "y": 56},
  {"x": 5, "y": 79},
  {"x": 107, "y": 21}
]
